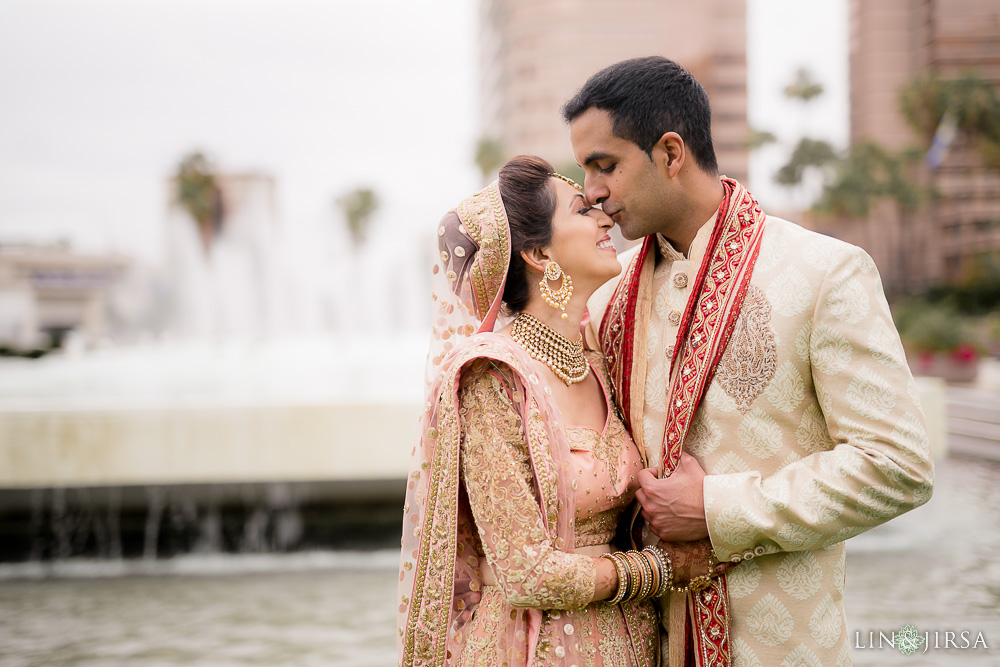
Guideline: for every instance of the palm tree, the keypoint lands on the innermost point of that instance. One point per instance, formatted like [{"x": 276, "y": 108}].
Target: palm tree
[
  {"x": 867, "y": 173},
  {"x": 489, "y": 156},
  {"x": 197, "y": 192},
  {"x": 972, "y": 101},
  {"x": 759, "y": 138},
  {"x": 358, "y": 206},
  {"x": 804, "y": 87},
  {"x": 808, "y": 153}
]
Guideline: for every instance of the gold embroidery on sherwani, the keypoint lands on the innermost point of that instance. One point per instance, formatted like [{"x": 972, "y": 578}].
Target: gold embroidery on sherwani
[{"x": 751, "y": 358}]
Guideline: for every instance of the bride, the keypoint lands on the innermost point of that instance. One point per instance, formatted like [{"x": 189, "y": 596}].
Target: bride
[{"x": 524, "y": 470}]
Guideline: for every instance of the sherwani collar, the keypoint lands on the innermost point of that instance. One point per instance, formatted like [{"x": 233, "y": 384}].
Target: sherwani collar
[
  {"x": 697, "y": 250},
  {"x": 667, "y": 250}
]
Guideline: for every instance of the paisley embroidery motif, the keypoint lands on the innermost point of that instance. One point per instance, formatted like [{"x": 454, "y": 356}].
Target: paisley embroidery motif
[
  {"x": 800, "y": 575},
  {"x": 812, "y": 434},
  {"x": 883, "y": 341},
  {"x": 790, "y": 292},
  {"x": 744, "y": 580},
  {"x": 760, "y": 435},
  {"x": 788, "y": 389},
  {"x": 870, "y": 395},
  {"x": 769, "y": 621},
  {"x": 751, "y": 359},
  {"x": 802, "y": 656},
  {"x": 826, "y": 623},
  {"x": 879, "y": 502},
  {"x": 743, "y": 655}
]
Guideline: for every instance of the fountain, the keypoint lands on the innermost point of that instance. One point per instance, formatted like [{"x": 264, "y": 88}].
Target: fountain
[{"x": 253, "y": 416}]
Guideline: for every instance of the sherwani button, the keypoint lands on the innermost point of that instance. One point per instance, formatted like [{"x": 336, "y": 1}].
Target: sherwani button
[
  {"x": 759, "y": 550},
  {"x": 735, "y": 558},
  {"x": 680, "y": 280},
  {"x": 748, "y": 555},
  {"x": 674, "y": 317}
]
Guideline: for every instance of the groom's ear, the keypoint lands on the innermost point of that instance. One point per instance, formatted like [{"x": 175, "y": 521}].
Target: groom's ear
[{"x": 669, "y": 153}]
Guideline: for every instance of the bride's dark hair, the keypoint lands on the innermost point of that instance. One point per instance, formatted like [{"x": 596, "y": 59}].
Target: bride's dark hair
[{"x": 530, "y": 201}]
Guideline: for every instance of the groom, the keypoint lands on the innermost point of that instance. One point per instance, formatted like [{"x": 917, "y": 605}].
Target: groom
[{"x": 756, "y": 364}]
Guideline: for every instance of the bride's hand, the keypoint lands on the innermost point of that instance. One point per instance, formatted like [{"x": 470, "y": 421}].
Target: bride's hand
[{"x": 690, "y": 560}]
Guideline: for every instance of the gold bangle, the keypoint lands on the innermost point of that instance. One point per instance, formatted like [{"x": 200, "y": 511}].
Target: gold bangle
[
  {"x": 666, "y": 569},
  {"x": 630, "y": 576},
  {"x": 668, "y": 578},
  {"x": 635, "y": 574},
  {"x": 647, "y": 575},
  {"x": 638, "y": 576},
  {"x": 622, "y": 577},
  {"x": 655, "y": 569},
  {"x": 651, "y": 571}
]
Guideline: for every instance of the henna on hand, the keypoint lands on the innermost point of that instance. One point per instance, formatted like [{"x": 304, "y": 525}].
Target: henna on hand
[{"x": 690, "y": 560}]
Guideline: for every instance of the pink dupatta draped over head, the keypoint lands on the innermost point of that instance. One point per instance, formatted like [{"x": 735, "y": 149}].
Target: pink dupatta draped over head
[{"x": 440, "y": 575}]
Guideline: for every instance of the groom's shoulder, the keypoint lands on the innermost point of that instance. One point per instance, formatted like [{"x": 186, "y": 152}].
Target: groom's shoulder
[{"x": 786, "y": 243}]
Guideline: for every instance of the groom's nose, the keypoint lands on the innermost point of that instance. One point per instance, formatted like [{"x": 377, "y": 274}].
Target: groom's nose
[{"x": 594, "y": 191}]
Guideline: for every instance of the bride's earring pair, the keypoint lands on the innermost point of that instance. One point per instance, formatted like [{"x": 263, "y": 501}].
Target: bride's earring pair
[{"x": 560, "y": 297}]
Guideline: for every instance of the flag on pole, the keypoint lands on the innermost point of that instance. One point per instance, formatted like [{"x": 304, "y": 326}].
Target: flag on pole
[{"x": 945, "y": 134}]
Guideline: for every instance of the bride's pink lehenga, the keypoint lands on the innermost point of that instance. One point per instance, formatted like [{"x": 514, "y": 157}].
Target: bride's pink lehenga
[
  {"x": 525, "y": 571},
  {"x": 496, "y": 502}
]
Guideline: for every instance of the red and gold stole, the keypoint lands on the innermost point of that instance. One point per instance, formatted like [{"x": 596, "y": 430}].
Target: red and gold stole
[{"x": 709, "y": 317}]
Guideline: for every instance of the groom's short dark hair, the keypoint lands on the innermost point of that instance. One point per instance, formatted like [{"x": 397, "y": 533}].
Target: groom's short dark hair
[{"x": 647, "y": 97}]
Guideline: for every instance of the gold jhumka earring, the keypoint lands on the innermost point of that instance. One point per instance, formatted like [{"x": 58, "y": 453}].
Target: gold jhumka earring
[{"x": 559, "y": 298}]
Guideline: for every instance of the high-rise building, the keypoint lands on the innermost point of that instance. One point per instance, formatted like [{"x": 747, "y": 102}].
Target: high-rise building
[
  {"x": 535, "y": 55},
  {"x": 892, "y": 43}
]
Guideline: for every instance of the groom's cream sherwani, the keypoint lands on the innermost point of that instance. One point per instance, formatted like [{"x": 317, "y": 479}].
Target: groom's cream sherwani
[{"x": 810, "y": 432}]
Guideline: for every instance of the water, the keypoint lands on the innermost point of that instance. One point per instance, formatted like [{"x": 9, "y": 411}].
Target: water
[
  {"x": 935, "y": 568},
  {"x": 305, "y": 609}
]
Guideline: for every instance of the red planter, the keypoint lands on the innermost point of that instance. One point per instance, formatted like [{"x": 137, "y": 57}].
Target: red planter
[{"x": 958, "y": 365}]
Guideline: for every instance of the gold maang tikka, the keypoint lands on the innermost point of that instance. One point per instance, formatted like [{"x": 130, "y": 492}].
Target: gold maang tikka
[{"x": 568, "y": 180}]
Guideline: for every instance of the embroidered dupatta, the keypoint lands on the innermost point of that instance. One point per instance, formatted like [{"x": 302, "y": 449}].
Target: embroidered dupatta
[
  {"x": 705, "y": 328},
  {"x": 440, "y": 576},
  {"x": 445, "y": 570}
]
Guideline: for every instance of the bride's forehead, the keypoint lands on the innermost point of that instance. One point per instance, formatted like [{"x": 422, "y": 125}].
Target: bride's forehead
[{"x": 564, "y": 191}]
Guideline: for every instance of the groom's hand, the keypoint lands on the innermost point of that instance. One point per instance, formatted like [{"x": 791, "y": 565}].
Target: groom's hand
[
  {"x": 674, "y": 507},
  {"x": 690, "y": 560}
]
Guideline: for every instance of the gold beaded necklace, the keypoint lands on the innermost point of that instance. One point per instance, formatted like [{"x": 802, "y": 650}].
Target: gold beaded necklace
[{"x": 550, "y": 347}]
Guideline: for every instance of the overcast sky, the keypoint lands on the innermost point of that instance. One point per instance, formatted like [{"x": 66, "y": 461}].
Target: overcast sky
[{"x": 101, "y": 99}]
